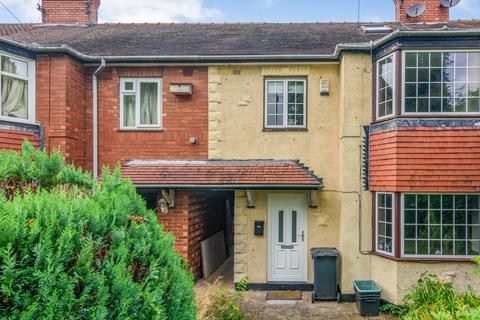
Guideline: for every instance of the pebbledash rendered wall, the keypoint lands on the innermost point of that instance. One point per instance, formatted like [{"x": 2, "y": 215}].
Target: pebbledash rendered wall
[{"x": 330, "y": 146}]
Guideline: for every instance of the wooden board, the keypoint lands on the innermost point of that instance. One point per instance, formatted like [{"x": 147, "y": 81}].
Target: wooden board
[{"x": 213, "y": 253}]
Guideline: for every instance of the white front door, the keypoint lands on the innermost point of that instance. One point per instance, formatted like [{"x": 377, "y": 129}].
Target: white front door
[{"x": 287, "y": 241}]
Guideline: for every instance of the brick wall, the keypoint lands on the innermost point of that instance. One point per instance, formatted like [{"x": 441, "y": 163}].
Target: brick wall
[
  {"x": 183, "y": 117},
  {"x": 61, "y": 106},
  {"x": 196, "y": 216},
  {"x": 433, "y": 13},
  {"x": 13, "y": 139},
  {"x": 70, "y": 11},
  {"x": 425, "y": 159}
]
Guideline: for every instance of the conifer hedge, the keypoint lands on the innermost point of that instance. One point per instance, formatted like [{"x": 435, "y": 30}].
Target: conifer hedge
[{"x": 75, "y": 248}]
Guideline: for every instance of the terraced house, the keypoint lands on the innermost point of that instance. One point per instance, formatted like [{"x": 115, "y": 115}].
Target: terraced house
[{"x": 278, "y": 137}]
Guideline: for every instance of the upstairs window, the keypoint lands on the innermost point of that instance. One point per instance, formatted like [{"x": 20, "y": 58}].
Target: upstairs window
[
  {"x": 17, "y": 85},
  {"x": 140, "y": 101},
  {"x": 285, "y": 102},
  {"x": 441, "y": 82},
  {"x": 386, "y": 87}
]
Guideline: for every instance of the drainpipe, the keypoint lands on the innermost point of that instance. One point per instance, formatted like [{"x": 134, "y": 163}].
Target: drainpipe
[{"x": 95, "y": 117}]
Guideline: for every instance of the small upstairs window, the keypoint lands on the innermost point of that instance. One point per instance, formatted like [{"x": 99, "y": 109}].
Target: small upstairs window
[
  {"x": 140, "y": 103},
  {"x": 386, "y": 87},
  {"x": 17, "y": 88},
  {"x": 285, "y": 103}
]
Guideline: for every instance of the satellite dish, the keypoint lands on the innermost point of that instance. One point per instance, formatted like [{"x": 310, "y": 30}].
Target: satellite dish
[
  {"x": 416, "y": 10},
  {"x": 449, "y": 3}
]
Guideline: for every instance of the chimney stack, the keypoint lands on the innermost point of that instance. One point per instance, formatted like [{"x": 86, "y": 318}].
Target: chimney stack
[
  {"x": 434, "y": 12},
  {"x": 70, "y": 11}
]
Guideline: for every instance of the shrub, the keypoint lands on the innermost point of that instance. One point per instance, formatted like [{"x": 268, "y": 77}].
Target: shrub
[
  {"x": 75, "y": 248},
  {"x": 434, "y": 299},
  {"x": 225, "y": 303}
]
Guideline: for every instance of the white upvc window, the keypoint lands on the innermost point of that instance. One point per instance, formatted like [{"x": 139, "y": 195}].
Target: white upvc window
[
  {"x": 441, "y": 82},
  {"x": 385, "y": 223},
  {"x": 140, "y": 103},
  {"x": 17, "y": 88},
  {"x": 285, "y": 103},
  {"x": 440, "y": 225},
  {"x": 386, "y": 87}
]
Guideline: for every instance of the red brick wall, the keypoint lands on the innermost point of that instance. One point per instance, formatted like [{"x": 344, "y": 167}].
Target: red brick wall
[
  {"x": 61, "y": 107},
  {"x": 433, "y": 13},
  {"x": 425, "y": 159},
  {"x": 196, "y": 216},
  {"x": 70, "y": 11},
  {"x": 13, "y": 139},
  {"x": 183, "y": 117}
]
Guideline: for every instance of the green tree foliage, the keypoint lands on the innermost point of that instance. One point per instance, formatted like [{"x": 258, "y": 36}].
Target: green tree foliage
[{"x": 75, "y": 248}]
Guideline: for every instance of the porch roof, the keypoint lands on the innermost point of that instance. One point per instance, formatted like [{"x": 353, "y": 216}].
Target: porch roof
[{"x": 221, "y": 174}]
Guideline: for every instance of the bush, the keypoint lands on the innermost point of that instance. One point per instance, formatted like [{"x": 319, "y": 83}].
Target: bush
[
  {"x": 433, "y": 299},
  {"x": 75, "y": 248},
  {"x": 225, "y": 303}
]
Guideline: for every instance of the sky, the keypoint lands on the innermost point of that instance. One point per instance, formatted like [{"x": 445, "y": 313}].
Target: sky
[{"x": 234, "y": 10}]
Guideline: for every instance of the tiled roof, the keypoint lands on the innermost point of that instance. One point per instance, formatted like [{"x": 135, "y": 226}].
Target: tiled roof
[
  {"x": 163, "y": 39},
  {"x": 221, "y": 173}
]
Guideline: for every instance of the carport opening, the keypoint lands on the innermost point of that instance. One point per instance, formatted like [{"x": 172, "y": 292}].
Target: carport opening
[{"x": 202, "y": 222}]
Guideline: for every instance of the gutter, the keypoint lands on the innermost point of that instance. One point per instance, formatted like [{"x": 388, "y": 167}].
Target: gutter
[
  {"x": 229, "y": 186},
  {"x": 95, "y": 117}
]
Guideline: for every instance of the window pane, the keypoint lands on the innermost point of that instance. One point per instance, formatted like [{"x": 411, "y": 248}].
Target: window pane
[
  {"x": 14, "y": 66},
  {"x": 128, "y": 111},
  {"x": 385, "y": 90},
  {"x": 442, "y": 82},
  {"x": 385, "y": 222},
  {"x": 149, "y": 103},
  {"x": 280, "y": 226},
  {"x": 128, "y": 86},
  {"x": 275, "y": 103},
  {"x": 14, "y": 102},
  {"x": 294, "y": 226},
  {"x": 441, "y": 224}
]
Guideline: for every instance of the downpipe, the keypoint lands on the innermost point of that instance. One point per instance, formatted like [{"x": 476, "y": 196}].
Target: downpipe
[{"x": 102, "y": 66}]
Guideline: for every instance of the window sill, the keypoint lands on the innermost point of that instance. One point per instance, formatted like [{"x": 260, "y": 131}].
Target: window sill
[
  {"x": 427, "y": 116},
  {"x": 140, "y": 129},
  {"x": 284, "y": 129},
  {"x": 412, "y": 259}
]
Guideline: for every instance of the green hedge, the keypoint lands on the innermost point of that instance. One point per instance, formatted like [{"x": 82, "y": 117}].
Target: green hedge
[{"x": 75, "y": 248}]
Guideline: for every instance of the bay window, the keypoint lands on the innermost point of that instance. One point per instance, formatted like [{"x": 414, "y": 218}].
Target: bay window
[
  {"x": 441, "y": 225},
  {"x": 17, "y": 85},
  {"x": 386, "y": 87},
  {"x": 441, "y": 82},
  {"x": 140, "y": 103},
  {"x": 385, "y": 223},
  {"x": 285, "y": 103}
]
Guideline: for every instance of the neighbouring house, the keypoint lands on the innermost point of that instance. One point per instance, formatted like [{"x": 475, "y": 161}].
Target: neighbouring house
[{"x": 364, "y": 137}]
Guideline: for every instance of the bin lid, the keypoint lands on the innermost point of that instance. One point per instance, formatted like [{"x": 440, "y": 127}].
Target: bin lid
[
  {"x": 324, "y": 252},
  {"x": 366, "y": 286}
]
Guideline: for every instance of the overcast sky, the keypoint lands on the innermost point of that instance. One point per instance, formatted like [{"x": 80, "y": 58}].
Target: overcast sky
[{"x": 235, "y": 10}]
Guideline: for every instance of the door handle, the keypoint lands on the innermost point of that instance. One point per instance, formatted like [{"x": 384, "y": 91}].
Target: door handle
[{"x": 303, "y": 235}]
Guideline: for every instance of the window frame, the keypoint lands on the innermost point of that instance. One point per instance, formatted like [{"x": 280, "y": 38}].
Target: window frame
[
  {"x": 402, "y": 231},
  {"x": 403, "y": 67},
  {"x": 31, "y": 87},
  {"x": 136, "y": 92},
  {"x": 394, "y": 87},
  {"x": 285, "y": 81},
  {"x": 394, "y": 214}
]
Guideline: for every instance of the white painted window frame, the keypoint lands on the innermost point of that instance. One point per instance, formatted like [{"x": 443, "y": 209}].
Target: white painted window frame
[
  {"x": 285, "y": 102},
  {"x": 393, "y": 223},
  {"x": 404, "y": 52},
  {"x": 402, "y": 229},
  {"x": 136, "y": 93},
  {"x": 394, "y": 88},
  {"x": 31, "y": 87}
]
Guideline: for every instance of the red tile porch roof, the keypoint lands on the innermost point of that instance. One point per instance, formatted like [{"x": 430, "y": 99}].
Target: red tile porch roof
[{"x": 237, "y": 174}]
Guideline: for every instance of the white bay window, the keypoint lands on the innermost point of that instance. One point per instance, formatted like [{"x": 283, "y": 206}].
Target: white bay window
[
  {"x": 17, "y": 88},
  {"x": 386, "y": 87},
  {"x": 140, "y": 103}
]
